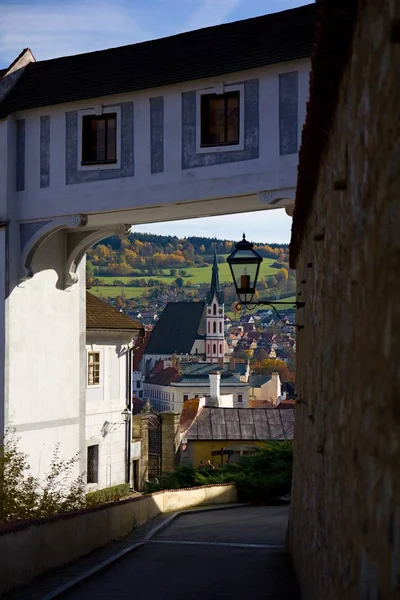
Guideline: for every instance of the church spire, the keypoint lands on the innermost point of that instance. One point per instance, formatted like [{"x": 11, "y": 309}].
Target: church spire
[{"x": 215, "y": 289}]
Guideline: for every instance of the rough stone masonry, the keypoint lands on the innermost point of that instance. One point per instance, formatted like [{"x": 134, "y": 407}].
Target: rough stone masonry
[{"x": 344, "y": 531}]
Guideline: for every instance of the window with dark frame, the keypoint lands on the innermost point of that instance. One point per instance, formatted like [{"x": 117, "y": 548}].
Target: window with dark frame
[
  {"x": 93, "y": 464},
  {"x": 240, "y": 397},
  {"x": 93, "y": 368},
  {"x": 99, "y": 139},
  {"x": 219, "y": 114}
]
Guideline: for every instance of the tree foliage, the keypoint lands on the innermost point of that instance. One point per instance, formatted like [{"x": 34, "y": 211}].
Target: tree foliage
[
  {"x": 273, "y": 365},
  {"x": 262, "y": 477}
]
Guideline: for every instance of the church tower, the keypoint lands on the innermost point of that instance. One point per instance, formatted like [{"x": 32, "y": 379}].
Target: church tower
[{"x": 215, "y": 338}]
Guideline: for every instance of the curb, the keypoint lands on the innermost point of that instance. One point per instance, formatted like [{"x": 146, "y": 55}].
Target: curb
[{"x": 66, "y": 587}]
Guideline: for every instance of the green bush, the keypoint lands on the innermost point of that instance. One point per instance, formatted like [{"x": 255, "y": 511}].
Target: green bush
[
  {"x": 111, "y": 494},
  {"x": 260, "y": 478}
]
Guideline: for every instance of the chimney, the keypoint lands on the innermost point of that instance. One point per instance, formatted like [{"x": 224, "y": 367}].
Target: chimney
[
  {"x": 221, "y": 362},
  {"x": 276, "y": 386},
  {"x": 215, "y": 392},
  {"x": 232, "y": 363}
]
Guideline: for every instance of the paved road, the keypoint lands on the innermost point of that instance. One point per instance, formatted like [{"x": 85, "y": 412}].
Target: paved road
[{"x": 213, "y": 555}]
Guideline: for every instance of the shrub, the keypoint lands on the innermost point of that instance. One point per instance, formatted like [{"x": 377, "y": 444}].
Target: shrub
[
  {"x": 111, "y": 494},
  {"x": 23, "y": 496},
  {"x": 260, "y": 478}
]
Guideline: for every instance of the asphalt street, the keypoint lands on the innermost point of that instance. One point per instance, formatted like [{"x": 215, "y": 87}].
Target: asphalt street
[{"x": 236, "y": 553}]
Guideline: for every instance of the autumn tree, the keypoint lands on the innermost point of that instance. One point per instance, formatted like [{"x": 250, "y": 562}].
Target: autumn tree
[{"x": 271, "y": 365}]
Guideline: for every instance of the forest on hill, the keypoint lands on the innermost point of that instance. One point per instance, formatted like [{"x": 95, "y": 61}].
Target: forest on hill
[{"x": 139, "y": 270}]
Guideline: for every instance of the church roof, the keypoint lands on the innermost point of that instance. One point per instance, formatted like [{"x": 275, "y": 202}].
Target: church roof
[
  {"x": 177, "y": 328},
  {"x": 215, "y": 289}
]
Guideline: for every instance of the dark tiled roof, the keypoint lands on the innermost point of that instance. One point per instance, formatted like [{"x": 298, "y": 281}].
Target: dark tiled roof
[
  {"x": 100, "y": 315},
  {"x": 176, "y": 329},
  {"x": 331, "y": 50},
  {"x": 240, "y": 368},
  {"x": 164, "y": 377},
  {"x": 242, "y": 424},
  {"x": 258, "y": 380},
  {"x": 207, "y": 52}
]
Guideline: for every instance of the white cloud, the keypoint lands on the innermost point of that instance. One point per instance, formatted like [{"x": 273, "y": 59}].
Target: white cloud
[
  {"x": 53, "y": 30},
  {"x": 211, "y": 12},
  {"x": 269, "y": 226}
]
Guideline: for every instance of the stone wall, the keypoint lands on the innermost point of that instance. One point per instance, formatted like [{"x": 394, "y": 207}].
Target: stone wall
[{"x": 344, "y": 530}]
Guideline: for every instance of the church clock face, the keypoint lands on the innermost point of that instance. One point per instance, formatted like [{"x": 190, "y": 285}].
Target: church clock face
[
  {"x": 220, "y": 311},
  {"x": 209, "y": 311}
]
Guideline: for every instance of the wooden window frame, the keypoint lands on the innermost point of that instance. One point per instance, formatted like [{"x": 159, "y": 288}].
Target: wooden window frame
[
  {"x": 94, "y": 364},
  {"x": 107, "y": 116},
  {"x": 204, "y": 118}
]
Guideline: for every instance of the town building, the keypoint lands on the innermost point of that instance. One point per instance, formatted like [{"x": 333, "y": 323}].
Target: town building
[
  {"x": 64, "y": 186},
  {"x": 170, "y": 386},
  {"x": 110, "y": 340},
  {"x": 221, "y": 434},
  {"x": 187, "y": 330}
]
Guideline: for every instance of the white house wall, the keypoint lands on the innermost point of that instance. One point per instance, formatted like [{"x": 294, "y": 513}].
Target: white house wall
[
  {"x": 104, "y": 402},
  {"x": 45, "y": 337},
  {"x": 158, "y": 168},
  {"x": 170, "y": 397}
]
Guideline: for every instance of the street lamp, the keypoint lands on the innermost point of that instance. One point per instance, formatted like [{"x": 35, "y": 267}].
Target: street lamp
[
  {"x": 244, "y": 263},
  {"x": 125, "y": 414}
]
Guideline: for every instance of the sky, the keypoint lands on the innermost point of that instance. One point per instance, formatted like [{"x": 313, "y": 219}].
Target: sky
[{"x": 52, "y": 28}]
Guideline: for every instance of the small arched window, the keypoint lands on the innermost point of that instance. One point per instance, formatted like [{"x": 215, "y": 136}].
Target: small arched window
[
  {"x": 214, "y": 349},
  {"x": 214, "y": 327},
  {"x": 208, "y": 348},
  {"x": 220, "y": 326},
  {"x": 220, "y": 348},
  {"x": 209, "y": 326},
  {"x": 214, "y": 309}
]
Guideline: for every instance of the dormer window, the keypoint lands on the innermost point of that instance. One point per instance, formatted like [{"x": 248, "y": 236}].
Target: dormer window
[
  {"x": 99, "y": 139},
  {"x": 220, "y": 119}
]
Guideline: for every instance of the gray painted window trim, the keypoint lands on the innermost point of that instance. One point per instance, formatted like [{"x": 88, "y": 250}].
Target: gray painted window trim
[
  {"x": 20, "y": 156},
  {"x": 192, "y": 159},
  {"x": 74, "y": 175},
  {"x": 288, "y": 113},
  {"x": 45, "y": 151},
  {"x": 157, "y": 134}
]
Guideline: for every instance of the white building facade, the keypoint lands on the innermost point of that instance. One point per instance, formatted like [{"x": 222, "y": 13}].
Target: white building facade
[
  {"x": 65, "y": 184},
  {"x": 110, "y": 341}
]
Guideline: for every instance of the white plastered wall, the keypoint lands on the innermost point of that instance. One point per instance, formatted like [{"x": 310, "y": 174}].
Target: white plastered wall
[
  {"x": 238, "y": 183},
  {"x": 104, "y": 403},
  {"x": 45, "y": 336}
]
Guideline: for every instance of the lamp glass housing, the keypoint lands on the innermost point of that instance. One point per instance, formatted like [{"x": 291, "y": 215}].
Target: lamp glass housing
[
  {"x": 244, "y": 263},
  {"x": 126, "y": 413}
]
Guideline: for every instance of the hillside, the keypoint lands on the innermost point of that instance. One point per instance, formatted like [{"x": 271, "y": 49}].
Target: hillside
[{"x": 143, "y": 270}]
